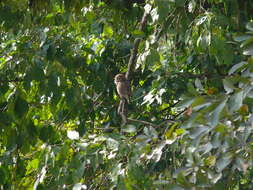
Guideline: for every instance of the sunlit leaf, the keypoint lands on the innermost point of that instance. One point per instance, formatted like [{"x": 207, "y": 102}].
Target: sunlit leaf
[
  {"x": 79, "y": 186},
  {"x": 138, "y": 33},
  {"x": 247, "y": 42},
  {"x": 33, "y": 165},
  {"x": 112, "y": 143},
  {"x": 157, "y": 152},
  {"x": 210, "y": 161},
  {"x": 248, "y": 50},
  {"x": 198, "y": 84},
  {"x": 129, "y": 129},
  {"x": 236, "y": 67},
  {"x": 201, "y": 20},
  {"x": 73, "y": 135},
  {"x": 108, "y": 31},
  {"x": 249, "y": 26},
  {"x": 41, "y": 177},
  {"x": 214, "y": 177}
]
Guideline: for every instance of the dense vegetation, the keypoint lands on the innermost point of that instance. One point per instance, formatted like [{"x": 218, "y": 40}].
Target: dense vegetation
[{"x": 190, "y": 116}]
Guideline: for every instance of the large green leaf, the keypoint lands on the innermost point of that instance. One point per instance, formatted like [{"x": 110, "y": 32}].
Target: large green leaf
[
  {"x": 217, "y": 112},
  {"x": 235, "y": 101},
  {"x": 224, "y": 161}
]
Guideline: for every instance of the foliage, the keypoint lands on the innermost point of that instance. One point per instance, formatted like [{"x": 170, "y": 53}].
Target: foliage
[{"x": 191, "y": 107}]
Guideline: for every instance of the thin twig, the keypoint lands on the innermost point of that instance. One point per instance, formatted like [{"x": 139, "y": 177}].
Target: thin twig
[{"x": 143, "y": 122}]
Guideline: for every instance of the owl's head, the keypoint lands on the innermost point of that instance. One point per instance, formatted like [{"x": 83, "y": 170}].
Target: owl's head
[{"x": 119, "y": 78}]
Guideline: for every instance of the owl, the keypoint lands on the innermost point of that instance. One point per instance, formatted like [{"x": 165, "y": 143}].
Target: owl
[{"x": 123, "y": 86}]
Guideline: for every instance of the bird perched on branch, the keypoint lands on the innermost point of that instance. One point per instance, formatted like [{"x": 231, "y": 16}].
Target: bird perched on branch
[{"x": 123, "y": 86}]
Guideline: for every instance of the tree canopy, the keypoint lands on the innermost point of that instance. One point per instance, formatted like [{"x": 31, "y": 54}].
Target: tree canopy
[{"x": 190, "y": 118}]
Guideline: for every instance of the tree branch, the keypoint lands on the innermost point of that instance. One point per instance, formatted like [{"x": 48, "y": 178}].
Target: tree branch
[
  {"x": 134, "y": 52},
  {"x": 142, "y": 122},
  {"x": 122, "y": 110}
]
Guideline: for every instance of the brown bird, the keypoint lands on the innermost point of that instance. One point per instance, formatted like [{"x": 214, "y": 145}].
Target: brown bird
[{"x": 123, "y": 86}]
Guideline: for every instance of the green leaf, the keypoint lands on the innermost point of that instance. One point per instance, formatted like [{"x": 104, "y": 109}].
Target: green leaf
[
  {"x": 129, "y": 129},
  {"x": 198, "y": 102},
  {"x": 78, "y": 174},
  {"x": 216, "y": 140},
  {"x": 151, "y": 132},
  {"x": 51, "y": 52},
  {"x": 221, "y": 128},
  {"x": 3, "y": 88},
  {"x": 138, "y": 34},
  {"x": 248, "y": 51},
  {"x": 37, "y": 73},
  {"x": 191, "y": 89},
  {"x": 241, "y": 164},
  {"x": 185, "y": 103},
  {"x": 210, "y": 161},
  {"x": 175, "y": 187},
  {"x": 228, "y": 85},
  {"x": 197, "y": 131},
  {"x": 214, "y": 177},
  {"x": 181, "y": 179},
  {"x": 163, "y": 9},
  {"x": 216, "y": 113},
  {"x": 249, "y": 26},
  {"x": 191, "y": 6},
  {"x": 112, "y": 143},
  {"x": 21, "y": 107},
  {"x": 168, "y": 133},
  {"x": 180, "y": 131},
  {"x": 108, "y": 31},
  {"x": 3, "y": 175},
  {"x": 242, "y": 38},
  {"x": 235, "y": 101},
  {"x": 237, "y": 67},
  {"x": 224, "y": 161},
  {"x": 198, "y": 84},
  {"x": 5, "y": 119},
  {"x": 161, "y": 182},
  {"x": 32, "y": 165},
  {"x": 46, "y": 133},
  {"x": 157, "y": 152},
  {"x": 152, "y": 58},
  {"x": 247, "y": 42}
]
